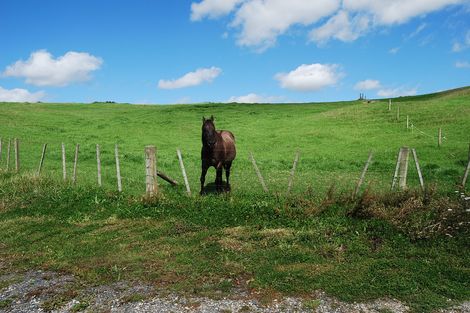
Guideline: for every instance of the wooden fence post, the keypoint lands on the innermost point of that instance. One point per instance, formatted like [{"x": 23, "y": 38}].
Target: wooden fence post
[
  {"x": 258, "y": 173},
  {"x": 467, "y": 170},
  {"x": 418, "y": 169},
  {"x": 64, "y": 168},
  {"x": 118, "y": 169},
  {"x": 17, "y": 155},
  {"x": 151, "y": 171},
  {"x": 397, "y": 167},
  {"x": 183, "y": 171},
  {"x": 292, "y": 172},
  {"x": 75, "y": 162},
  {"x": 407, "y": 122},
  {"x": 363, "y": 174},
  {"x": 404, "y": 167},
  {"x": 389, "y": 104},
  {"x": 41, "y": 162},
  {"x": 8, "y": 154},
  {"x": 98, "y": 163},
  {"x": 439, "y": 137},
  {"x": 398, "y": 113}
]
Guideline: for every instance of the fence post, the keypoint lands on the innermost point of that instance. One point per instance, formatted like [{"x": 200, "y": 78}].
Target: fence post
[
  {"x": 418, "y": 169},
  {"x": 363, "y": 174},
  {"x": 465, "y": 176},
  {"x": 407, "y": 122},
  {"x": 398, "y": 113},
  {"x": 98, "y": 163},
  {"x": 404, "y": 167},
  {"x": 64, "y": 168},
  {"x": 151, "y": 171},
  {"x": 183, "y": 171},
  {"x": 439, "y": 137},
  {"x": 41, "y": 162},
  {"x": 74, "y": 177},
  {"x": 118, "y": 169},
  {"x": 8, "y": 154},
  {"x": 17, "y": 156},
  {"x": 389, "y": 104},
  {"x": 292, "y": 172},
  {"x": 258, "y": 173},
  {"x": 397, "y": 167}
]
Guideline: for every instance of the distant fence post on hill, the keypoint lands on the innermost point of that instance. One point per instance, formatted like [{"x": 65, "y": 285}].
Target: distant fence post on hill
[
  {"x": 17, "y": 156},
  {"x": 75, "y": 163},
  {"x": 98, "y": 164},
  {"x": 64, "y": 167}
]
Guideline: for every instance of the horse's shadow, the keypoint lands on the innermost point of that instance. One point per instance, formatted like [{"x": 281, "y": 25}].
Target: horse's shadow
[{"x": 211, "y": 189}]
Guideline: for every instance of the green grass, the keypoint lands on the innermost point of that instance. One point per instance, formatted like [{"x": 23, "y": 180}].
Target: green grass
[{"x": 378, "y": 247}]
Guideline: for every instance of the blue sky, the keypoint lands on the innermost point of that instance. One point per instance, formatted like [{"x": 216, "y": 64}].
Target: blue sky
[{"x": 184, "y": 51}]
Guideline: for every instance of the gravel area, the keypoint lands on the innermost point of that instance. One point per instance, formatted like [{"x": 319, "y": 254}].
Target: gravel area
[{"x": 40, "y": 291}]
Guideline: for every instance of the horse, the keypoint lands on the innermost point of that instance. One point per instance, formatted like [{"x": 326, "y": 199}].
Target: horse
[{"x": 218, "y": 150}]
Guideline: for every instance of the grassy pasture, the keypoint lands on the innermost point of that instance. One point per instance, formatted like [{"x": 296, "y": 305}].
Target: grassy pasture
[
  {"x": 334, "y": 140},
  {"x": 271, "y": 244}
]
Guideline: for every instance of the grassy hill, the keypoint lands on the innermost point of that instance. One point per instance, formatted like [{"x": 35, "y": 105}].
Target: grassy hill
[
  {"x": 406, "y": 245},
  {"x": 334, "y": 139}
]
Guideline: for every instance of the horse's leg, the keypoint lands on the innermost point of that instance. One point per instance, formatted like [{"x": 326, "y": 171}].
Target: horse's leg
[
  {"x": 227, "y": 166},
  {"x": 203, "y": 175},
  {"x": 218, "y": 178}
]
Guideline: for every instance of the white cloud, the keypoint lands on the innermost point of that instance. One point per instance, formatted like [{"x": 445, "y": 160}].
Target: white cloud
[
  {"x": 41, "y": 69},
  {"x": 389, "y": 12},
  {"x": 20, "y": 95},
  {"x": 191, "y": 79},
  {"x": 341, "y": 27},
  {"x": 310, "y": 77},
  {"x": 368, "y": 84},
  {"x": 261, "y": 22},
  {"x": 462, "y": 64},
  {"x": 397, "y": 92},
  {"x": 212, "y": 8},
  {"x": 394, "y": 50},
  {"x": 254, "y": 98}
]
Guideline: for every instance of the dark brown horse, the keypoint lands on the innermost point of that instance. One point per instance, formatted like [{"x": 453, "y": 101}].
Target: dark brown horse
[{"x": 218, "y": 150}]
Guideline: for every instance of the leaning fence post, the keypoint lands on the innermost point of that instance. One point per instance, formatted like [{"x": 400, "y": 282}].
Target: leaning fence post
[
  {"x": 465, "y": 176},
  {"x": 64, "y": 168},
  {"x": 118, "y": 169},
  {"x": 17, "y": 156},
  {"x": 418, "y": 169},
  {"x": 183, "y": 171},
  {"x": 292, "y": 172},
  {"x": 363, "y": 174},
  {"x": 258, "y": 173},
  {"x": 98, "y": 164},
  {"x": 41, "y": 162},
  {"x": 8, "y": 154},
  {"x": 151, "y": 171},
  {"x": 74, "y": 177}
]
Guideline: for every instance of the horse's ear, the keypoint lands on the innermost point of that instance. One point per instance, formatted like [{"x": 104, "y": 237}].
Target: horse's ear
[
  {"x": 203, "y": 119},
  {"x": 212, "y": 118}
]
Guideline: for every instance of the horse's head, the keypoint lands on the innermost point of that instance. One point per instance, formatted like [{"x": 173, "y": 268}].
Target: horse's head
[{"x": 208, "y": 132}]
